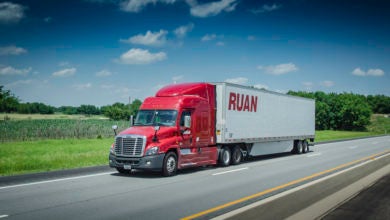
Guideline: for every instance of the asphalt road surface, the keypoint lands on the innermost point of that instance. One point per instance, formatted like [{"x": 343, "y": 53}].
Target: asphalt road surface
[{"x": 194, "y": 193}]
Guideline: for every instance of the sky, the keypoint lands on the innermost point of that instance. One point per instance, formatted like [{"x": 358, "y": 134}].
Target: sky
[{"x": 98, "y": 52}]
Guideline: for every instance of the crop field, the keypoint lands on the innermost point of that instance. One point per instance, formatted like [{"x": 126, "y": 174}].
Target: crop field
[
  {"x": 40, "y": 129},
  {"x": 27, "y": 130}
]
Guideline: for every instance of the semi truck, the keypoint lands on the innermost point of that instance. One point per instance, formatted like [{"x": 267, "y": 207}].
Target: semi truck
[{"x": 199, "y": 124}]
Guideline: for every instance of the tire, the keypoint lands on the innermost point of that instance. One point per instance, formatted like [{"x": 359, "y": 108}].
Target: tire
[
  {"x": 299, "y": 147},
  {"x": 225, "y": 157},
  {"x": 305, "y": 147},
  {"x": 236, "y": 155},
  {"x": 170, "y": 164}
]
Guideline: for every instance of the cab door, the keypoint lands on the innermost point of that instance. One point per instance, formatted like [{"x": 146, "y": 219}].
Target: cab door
[{"x": 188, "y": 153}]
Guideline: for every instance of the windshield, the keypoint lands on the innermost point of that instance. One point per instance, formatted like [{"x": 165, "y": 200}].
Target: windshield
[{"x": 156, "y": 117}]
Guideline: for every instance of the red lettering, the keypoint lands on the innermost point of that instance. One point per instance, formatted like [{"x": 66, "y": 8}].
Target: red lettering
[
  {"x": 246, "y": 103},
  {"x": 241, "y": 102},
  {"x": 254, "y": 104},
  {"x": 232, "y": 101}
]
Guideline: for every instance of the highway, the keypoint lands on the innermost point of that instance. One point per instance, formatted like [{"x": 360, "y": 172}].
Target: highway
[{"x": 194, "y": 193}]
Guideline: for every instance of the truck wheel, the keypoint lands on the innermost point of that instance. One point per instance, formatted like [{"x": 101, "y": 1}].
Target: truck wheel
[
  {"x": 299, "y": 147},
  {"x": 236, "y": 155},
  {"x": 170, "y": 164},
  {"x": 225, "y": 157},
  {"x": 305, "y": 147}
]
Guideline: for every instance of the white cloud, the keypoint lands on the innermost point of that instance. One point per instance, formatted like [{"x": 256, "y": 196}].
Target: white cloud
[
  {"x": 358, "y": 72},
  {"x": 182, "y": 31},
  {"x": 19, "y": 82},
  {"x": 83, "y": 86},
  {"x": 261, "y": 86},
  {"x": 175, "y": 79},
  {"x": 11, "y": 12},
  {"x": 370, "y": 72},
  {"x": 149, "y": 39},
  {"x": 9, "y": 70},
  {"x": 307, "y": 85},
  {"x": 103, "y": 73},
  {"x": 220, "y": 44},
  {"x": 137, "y": 5},
  {"x": 211, "y": 8},
  {"x": 375, "y": 72},
  {"x": 279, "y": 69},
  {"x": 65, "y": 72},
  {"x": 140, "y": 56},
  {"x": 327, "y": 83},
  {"x": 238, "y": 80},
  {"x": 266, "y": 8},
  {"x": 12, "y": 50},
  {"x": 209, "y": 37}
]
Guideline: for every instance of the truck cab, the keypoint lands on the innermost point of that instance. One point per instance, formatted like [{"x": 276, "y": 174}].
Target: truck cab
[{"x": 173, "y": 130}]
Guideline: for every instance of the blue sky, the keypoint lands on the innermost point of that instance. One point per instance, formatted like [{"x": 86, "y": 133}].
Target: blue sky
[{"x": 104, "y": 51}]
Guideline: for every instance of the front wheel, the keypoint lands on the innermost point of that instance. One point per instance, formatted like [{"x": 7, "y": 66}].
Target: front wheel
[{"x": 170, "y": 164}]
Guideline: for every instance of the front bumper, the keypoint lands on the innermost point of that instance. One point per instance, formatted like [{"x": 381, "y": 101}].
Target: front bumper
[{"x": 154, "y": 162}]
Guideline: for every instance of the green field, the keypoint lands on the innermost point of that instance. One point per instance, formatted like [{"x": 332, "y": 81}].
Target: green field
[
  {"x": 43, "y": 129},
  {"x": 47, "y": 155},
  {"x": 38, "y": 145}
]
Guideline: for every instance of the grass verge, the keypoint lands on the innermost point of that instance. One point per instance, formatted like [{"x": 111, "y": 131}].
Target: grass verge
[
  {"x": 47, "y": 155},
  {"x": 329, "y": 135}
]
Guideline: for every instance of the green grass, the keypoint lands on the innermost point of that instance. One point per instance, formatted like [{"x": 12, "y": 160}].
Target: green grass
[
  {"x": 328, "y": 135},
  {"x": 37, "y": 155},
  {"x": 380, "y": 125},
  {"x": 48, "y": 155}
]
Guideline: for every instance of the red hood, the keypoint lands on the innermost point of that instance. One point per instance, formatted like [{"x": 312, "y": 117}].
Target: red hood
[{"x": 148, "y": 131}]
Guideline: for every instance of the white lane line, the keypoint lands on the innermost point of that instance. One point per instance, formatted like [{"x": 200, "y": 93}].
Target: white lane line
[
  {"x": 287, "y": 192},
  {"x": 314, "y": 155},
  {"x": 55, "y": 180},
  {"x": 230, "y": 171},
  {"x": 3, "y": 216},
  {"x": 353, "y": 147}
]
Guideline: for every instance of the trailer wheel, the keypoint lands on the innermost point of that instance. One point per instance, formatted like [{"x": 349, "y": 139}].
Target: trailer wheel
[
  {"x": 170, "y": 164},
  {"x": 236, "y": 155},
  {"x": 299, "y": 147},
  {"x": 225, "y": 157},
  {"x": 305, "y": 147}
]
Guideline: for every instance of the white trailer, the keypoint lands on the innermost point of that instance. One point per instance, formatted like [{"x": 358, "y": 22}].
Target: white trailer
[{"x": 262, "y": 122}]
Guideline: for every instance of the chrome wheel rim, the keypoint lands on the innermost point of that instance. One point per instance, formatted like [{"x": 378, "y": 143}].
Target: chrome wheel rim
[{"x": 171, "y": 164}]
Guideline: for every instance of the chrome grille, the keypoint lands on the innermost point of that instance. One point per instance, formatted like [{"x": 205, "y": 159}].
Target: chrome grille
[{"x": 130, "y": 146}]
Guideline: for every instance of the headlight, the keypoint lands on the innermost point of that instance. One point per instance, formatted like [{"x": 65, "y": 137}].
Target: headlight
[
  {"x": 152, "y": 151},
  {"x": 112, "y": 149}
]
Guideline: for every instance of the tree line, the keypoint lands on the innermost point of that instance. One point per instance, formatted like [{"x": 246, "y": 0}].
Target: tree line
[
  {"x": 9, "y": 103},
  {"x": 344, "y": 111}
]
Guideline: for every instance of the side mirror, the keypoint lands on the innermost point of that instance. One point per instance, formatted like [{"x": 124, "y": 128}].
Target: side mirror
[
  {"x": 187, "y": 121},
  {"x": 131, "y": 120},
  {"x": 115, "y": 127},
  {"x": 156, "y": 128}
]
